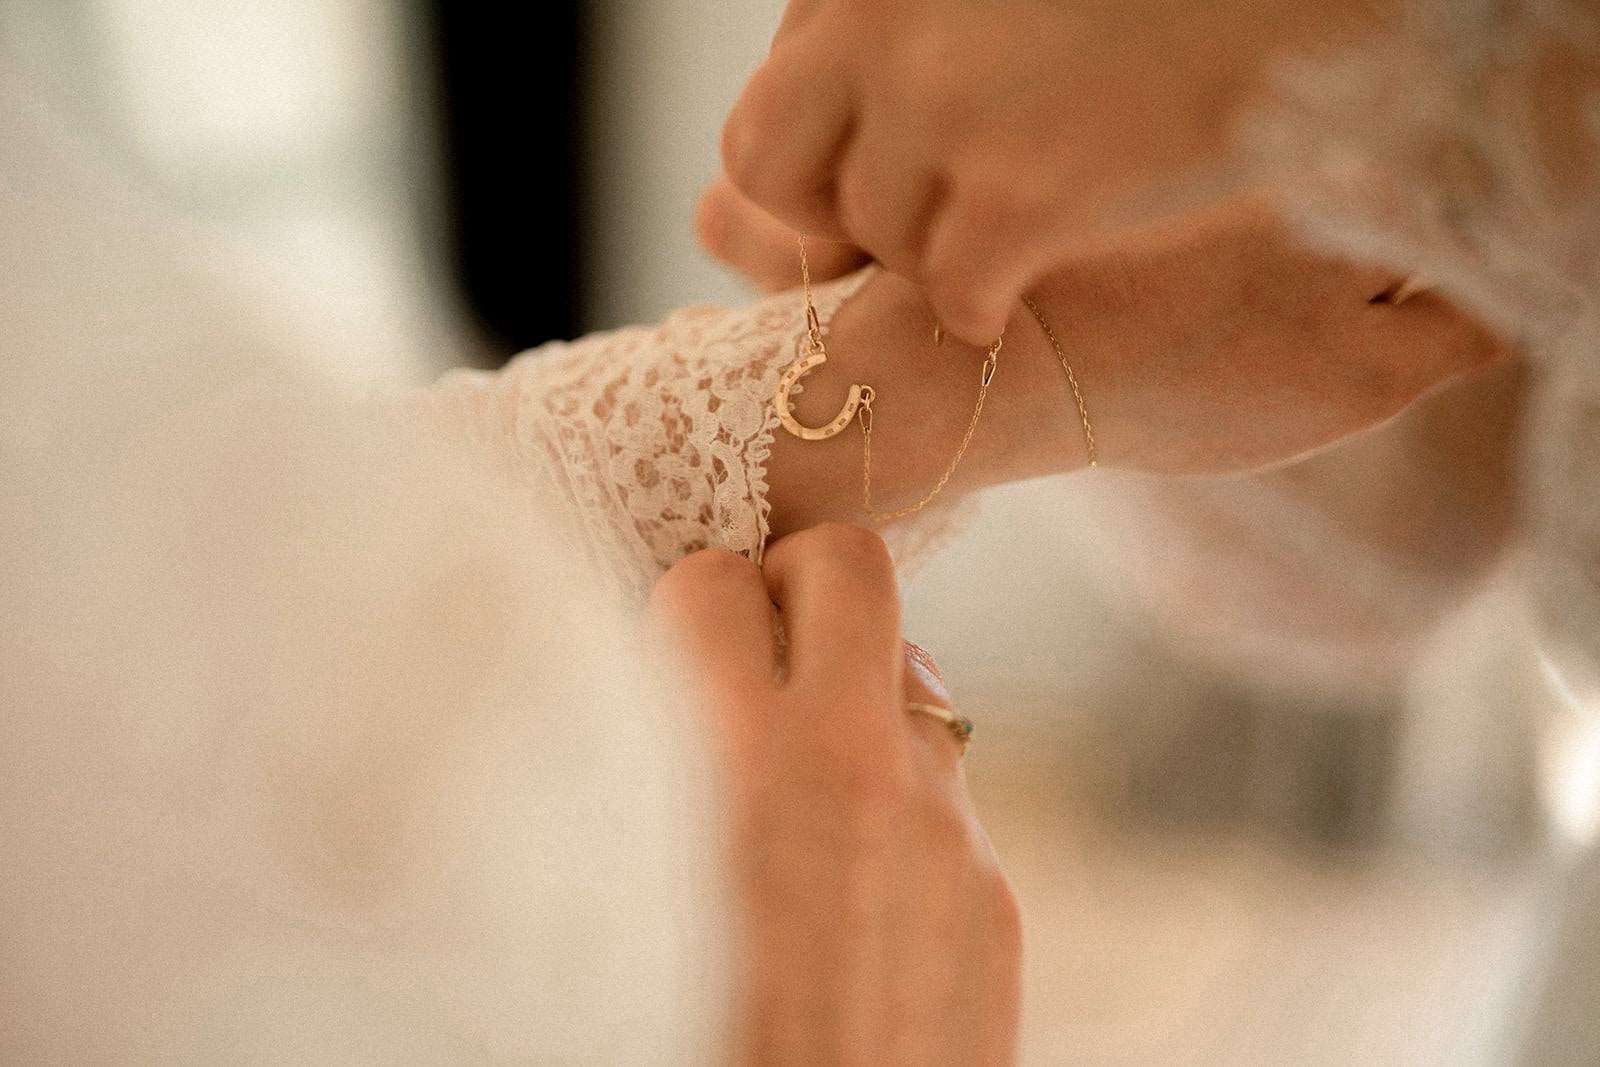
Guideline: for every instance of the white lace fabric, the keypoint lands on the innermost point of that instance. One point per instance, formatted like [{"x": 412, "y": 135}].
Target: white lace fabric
[{"x": 654, "y": 440}]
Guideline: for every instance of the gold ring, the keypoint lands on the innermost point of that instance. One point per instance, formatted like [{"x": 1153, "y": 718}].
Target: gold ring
[{"x": 959, "y": 726}]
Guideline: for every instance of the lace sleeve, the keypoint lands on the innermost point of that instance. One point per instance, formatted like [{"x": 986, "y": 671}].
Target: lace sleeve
[{"x": 654, "y": 441}]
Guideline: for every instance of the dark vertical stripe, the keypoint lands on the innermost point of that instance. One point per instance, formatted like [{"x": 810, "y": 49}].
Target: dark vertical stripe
[{"x": 510, "y": 79}]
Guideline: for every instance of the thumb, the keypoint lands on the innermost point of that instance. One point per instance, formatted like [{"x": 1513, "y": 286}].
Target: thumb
[{"x": 738, "y": 233}]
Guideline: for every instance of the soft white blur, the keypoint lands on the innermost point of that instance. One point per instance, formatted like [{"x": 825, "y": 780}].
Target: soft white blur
[
  {"x": 1159, "y": 931},
  {"x": 316, "y": 748},
  {"x": 666, "y": 73},
  {"x": 301, "y": 131}
]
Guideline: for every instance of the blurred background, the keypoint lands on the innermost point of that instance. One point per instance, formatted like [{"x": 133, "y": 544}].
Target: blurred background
[
  {"x": 1231, "y": 845},
  {"x": 510, "y": 176}
]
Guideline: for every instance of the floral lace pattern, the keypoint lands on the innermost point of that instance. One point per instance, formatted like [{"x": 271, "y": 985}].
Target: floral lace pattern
[{"x": 655, "y": 440}]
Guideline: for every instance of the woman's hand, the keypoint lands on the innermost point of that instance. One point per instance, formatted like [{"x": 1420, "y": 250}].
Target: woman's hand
[
  {"x": 1220, "y": 342},
  {"x": 733, "y": 229},
  {"x": 878, "y": 927},
  {"x": 1215, "y": 342},
  {"x": 911, "y": 129},
  {"x": 968, "y": 146}
]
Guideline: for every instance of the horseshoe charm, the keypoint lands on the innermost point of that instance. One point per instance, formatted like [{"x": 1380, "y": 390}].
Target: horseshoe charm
[{"x": 860, "y": 397}]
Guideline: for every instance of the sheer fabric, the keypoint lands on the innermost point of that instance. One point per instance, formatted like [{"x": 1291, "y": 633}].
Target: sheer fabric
[{"x": 656, "y": 439}]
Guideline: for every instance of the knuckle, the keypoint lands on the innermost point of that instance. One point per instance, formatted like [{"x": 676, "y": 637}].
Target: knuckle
[
  {"x": 696, "y": 576},
  {"x": 746, "y": 167},
  {"x": 944, "y": 827},
  {"x": 713, "y": 221},
  {"x": 853, "y": 546},
  {"x": 1005, "y": 917},
  {"x": 756, "y": 122},
  {"x": 848, "y": 552},
  {"x": 715, "y": 566},
  {"x": 920, "y": 58},
  {"x": 921, "y": 99},
  {"x": 874, "y": 793}
]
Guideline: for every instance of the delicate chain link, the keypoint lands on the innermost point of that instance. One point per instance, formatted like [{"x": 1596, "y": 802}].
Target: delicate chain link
[
  {"x": 1072, "y": 380},
  {"x": 868, "y": 395},
  {"x": 813, "y": 322},
  {"x": 864, "y": 413},
  {"x": 881, "y": 517}
]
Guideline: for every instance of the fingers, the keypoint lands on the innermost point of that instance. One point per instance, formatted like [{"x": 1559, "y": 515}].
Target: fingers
[
  {"x": 714, "y": 609},
  {"x": 999, "y": 234},
  {"x": 889, "y": 194},
  {"x": 835, "y": 588},
  {"x": 924, "y": 685},
  {"x": 748, "y": 239},
  {"x": 782, "y": 140},
  {"x": 976, "y": 240},
  {"x": 1429, "y": 343}
]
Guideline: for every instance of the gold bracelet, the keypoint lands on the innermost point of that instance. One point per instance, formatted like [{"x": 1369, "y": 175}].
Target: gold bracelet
[
  {"x": 1072, "y": 380},
  {"x": 858, "y": 407}
]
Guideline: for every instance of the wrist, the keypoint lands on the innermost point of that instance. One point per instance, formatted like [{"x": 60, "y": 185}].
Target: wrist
[
  {"x": 1106, "y": 329},
  {"x": 926, "y": 394},
  {"x": 924, "y": 402}
]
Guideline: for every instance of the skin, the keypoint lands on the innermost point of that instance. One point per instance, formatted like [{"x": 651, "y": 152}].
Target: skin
[
  {"x": 1207, "y": 338},
  {"x": 1190, "y": 336},
  {"x": 965, "y": 146},
  {"x": 880, "y": 929}
]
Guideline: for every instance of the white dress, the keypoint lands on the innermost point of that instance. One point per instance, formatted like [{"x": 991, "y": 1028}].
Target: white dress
[{"x": 316, "y": 743}]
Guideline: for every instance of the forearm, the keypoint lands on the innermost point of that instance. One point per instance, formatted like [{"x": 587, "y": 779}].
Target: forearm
[{"x": 1205, "y": 344}]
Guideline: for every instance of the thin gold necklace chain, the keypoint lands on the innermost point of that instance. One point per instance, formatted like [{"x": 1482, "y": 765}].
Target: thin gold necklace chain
[
  {"x": 1072, "y": 380},
  {"x": 864, "y": 413}
]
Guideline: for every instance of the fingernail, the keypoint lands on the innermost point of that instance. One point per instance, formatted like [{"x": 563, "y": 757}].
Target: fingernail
[{"x": 927, "y": 669}]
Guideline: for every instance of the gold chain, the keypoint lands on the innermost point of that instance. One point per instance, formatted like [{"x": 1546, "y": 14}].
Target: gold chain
[
  {"x": 864, "y": 412},
  {"x": 881, "y": 517},
  {"x": 813, "y": 323},
  {"x": 1072, "y": 380}
]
